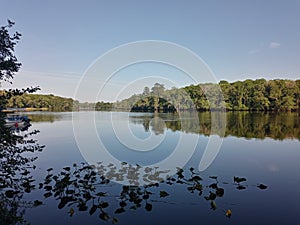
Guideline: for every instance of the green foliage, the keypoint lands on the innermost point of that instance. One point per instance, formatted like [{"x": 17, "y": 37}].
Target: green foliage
[
  {"x": 16, "y": 163},
  {"x": 8, "y": 61},
  {"x": 248, "y": 95},
  {"x": 51, "y": 102}
]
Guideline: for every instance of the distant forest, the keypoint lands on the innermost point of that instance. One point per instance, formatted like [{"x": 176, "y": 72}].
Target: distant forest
[{"x": 248, "y": 95}]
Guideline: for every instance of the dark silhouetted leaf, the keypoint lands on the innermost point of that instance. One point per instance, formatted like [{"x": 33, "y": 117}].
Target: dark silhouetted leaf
[
  {"x": 71, "y": 212},
  {"x": 211, "y": 196},
  {"x": 138, "y": 201},
  {"x": 220, "y": 192},
  {"x": 104, "y": 216},
  {"x": 101, "y": 194},
  {"x": 10, "y": 193},
  {"x": 115, "y": 220},
  {"x": 47, "y": 194},
  {"x": 64, "y": 201},
  {"x": 104, "y": 205},
  {"x": 67, "y": 168},
  {"x": 48, "y": 188},
  {"x": 262, "y": 186},
  {"x": 196, "y": 178},
  {"x": 198, "y": 187},
  {"x": 123, "y": 204},
  {"x": 213, "y": 186},
  {"x": 37, "y": 203},
  {"x": 239, "y": 179},
  {"x": 213, "y": 205},
  {"x": 119, "y": 210},
  {"x": 145, "y": 196},
  {"x": 191, "y": 189},
  {"x": 93, "y": 209},
  {"x": 163, "y": 194},
  {"x": 240, "y": 187},
  {"x": 148, "y": 207},
  {"x": 82, "y": 207}
]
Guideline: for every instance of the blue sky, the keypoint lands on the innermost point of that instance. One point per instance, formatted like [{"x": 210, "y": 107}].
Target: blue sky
[{"x": 236, "y": 39}]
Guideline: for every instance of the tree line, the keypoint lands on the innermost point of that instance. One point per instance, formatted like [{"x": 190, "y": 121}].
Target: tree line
[
  {"x": 51, "y": 103},
  {"x": 248, "y": 95},
  {"x": 39, "y": 101}
]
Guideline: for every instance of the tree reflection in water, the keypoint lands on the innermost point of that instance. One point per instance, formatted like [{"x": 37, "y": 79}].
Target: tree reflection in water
[
  {"x": 89, "y": 188},
  {"x": 278, "y": 126},
  {"x": 16, "y": 180}
]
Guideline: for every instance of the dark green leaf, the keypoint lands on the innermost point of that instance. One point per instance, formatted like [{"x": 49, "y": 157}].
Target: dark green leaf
[
  {"x": 47, "y": 194},
  {"x": 67, "y": 168},
  {"x": 262, "y": 186},
  {"x": 239, "y": 179},
  {"x": 48, "y": 188},
  {"x": 213, "y": 205},
  {"x": 104, "y": 205},
  {"x": 123, "y": 204},
  {"x": 163, "y": 194},
  {"x": 220, "y": 192},
  {"x": 148, "y": 207},
  {"x": 101, "y": 194},
  {"x": 82, "y": 207},
  {"x": 115, "y": 220},
  {"x": 196, "y": 178},
  {"x": 104, "y": 216},
  {"x": 240, "y": 187},
  {"x": 145, "y": 196},
  {"x": 10, "y": 193},
  {"x": 213, "y": 186},
  {"x": 37, "y": 203},
  {"x": 119, "y": 210},
  {"x": 211, "y": 196},
  {"x": 93, "y": 209}
]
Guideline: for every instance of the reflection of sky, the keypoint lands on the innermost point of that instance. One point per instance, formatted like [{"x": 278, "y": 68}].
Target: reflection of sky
[{"x": 271, "y": 162}]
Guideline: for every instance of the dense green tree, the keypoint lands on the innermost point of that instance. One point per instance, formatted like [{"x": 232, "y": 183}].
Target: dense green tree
[
  {"x": 248, "y": 95},
  {"x": 9, "y": 64}
]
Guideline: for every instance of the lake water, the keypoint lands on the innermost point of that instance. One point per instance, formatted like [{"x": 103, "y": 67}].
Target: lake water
[{"x": 148, "y": 168}]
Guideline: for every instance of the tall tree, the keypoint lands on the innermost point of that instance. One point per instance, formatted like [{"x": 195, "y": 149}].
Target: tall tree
[{"x": 9, "y": 64}]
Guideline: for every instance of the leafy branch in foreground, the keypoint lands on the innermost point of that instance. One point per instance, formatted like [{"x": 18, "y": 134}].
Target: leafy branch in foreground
[{"x": 16, "y": 163}]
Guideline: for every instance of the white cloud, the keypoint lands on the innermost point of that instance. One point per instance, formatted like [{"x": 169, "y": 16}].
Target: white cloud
[
  {"x": 254, "y": 51},
  {"x": 274, "y": 45}
]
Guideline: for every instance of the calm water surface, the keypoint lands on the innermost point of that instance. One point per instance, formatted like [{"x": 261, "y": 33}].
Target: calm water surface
[{"x": 263, "y": 148}]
